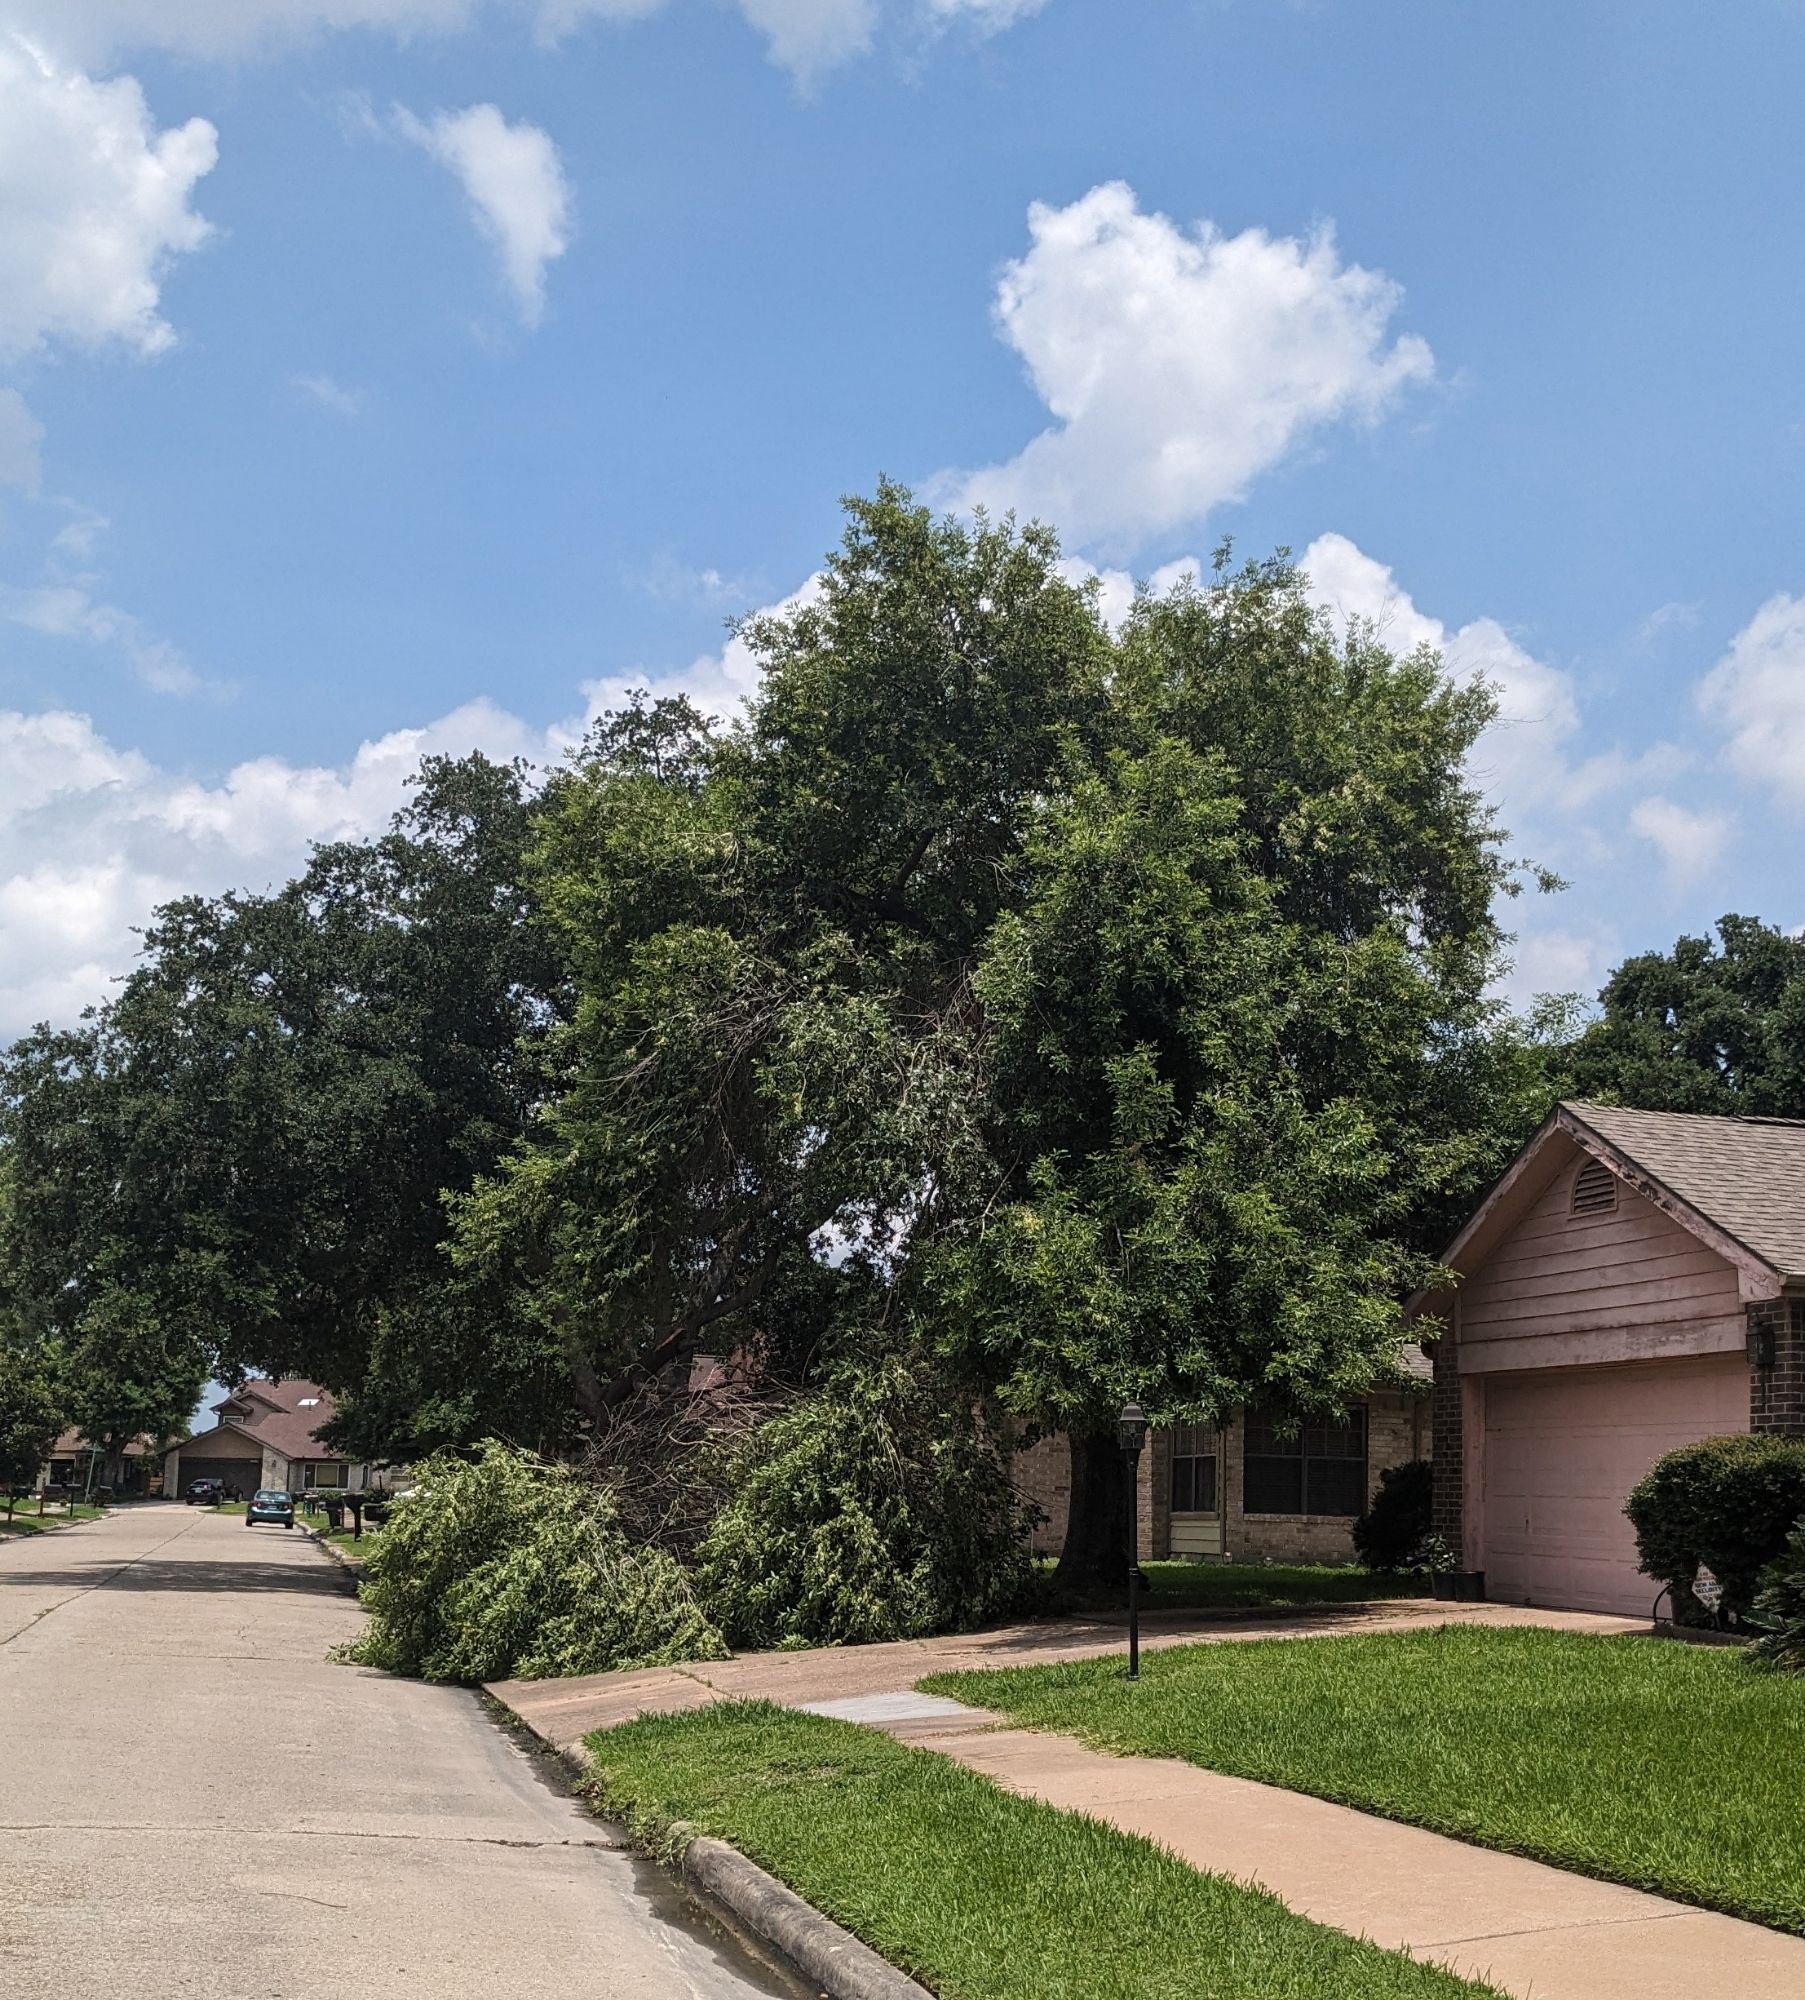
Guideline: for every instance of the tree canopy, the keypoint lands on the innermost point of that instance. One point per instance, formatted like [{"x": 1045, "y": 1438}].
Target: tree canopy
[{"x": 1715, "y": 1024}]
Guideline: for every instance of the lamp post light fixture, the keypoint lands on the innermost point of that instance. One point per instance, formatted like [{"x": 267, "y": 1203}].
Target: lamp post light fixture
[{"x": 1131, "y": 1434}]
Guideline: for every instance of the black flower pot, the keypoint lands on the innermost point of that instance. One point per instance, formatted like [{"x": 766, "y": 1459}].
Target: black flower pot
[
  {"x": 1469, "y": 1586},
  {"x": 1442, "y": 1583}
]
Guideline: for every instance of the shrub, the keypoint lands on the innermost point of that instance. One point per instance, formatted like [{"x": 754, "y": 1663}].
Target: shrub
[
  {"x": 1779, "y": 1607},
  {"x": 1728, "y": 1503},
  {"x": 501, "y": 1565},
  {"x": 1391, "y": 1533},
  {"x": 877, "y": 1507}
]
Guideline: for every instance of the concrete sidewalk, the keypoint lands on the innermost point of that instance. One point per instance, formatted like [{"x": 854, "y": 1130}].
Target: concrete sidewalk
[
  {"x": 563, "y": 1712},
  {"x": 1534, "y": 1931},
  {"x": 1531, "y": 1930}
]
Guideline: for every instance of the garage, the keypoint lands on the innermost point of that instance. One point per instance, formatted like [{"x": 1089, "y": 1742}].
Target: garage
[
  {"x": 1562, "y": 1450},
  {"x": 241, "y": 1475},
  {"x": 1634, "y": 1283}
]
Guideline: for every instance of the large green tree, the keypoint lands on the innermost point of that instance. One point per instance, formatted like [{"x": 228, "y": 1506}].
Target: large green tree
[
  {"x": 1108, "y": 1013},
  {"x": 1241, "y": 1060}
]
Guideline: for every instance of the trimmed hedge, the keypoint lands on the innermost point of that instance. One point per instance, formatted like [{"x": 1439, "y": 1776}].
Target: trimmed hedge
[{"x": 1729, "y": 1503}]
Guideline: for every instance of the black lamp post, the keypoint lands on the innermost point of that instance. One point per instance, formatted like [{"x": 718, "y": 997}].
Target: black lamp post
[{"x": 1131, "y": 1433}]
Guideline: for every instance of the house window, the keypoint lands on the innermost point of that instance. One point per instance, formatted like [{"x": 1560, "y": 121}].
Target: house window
[
  {"x": 1320, "y": 1468},
  {"x": 328, "y": 1473},
  {"x": 1193, "y": 1469},
  {"x": 1594, "y": 1189}
]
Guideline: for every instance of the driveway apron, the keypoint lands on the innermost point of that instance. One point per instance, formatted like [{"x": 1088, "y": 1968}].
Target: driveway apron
[{"x": 191, "y": 1792}]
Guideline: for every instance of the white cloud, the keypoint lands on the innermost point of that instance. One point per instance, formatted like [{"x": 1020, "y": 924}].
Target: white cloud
[
  {"x": 1561, "y": 959},
  {"x": 70, "y": 611},
  {"x": 1179, "y": 366},
  {"x": 807, "y": 37},
  {"x": 519, "y": 198},
  {"x": 94, "y": 203},
  {"x": 93, "y": 837},
  {"x": 330, "y": 395},
  {"x": 1757, "y": 690},
  {"x": 1690, "y": 843},
  {"x": 20, "y": 436}
]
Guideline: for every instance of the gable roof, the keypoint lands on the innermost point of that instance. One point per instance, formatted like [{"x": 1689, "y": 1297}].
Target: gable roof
[
  {"x": 283, "y": 1415},
  {"x": 1746, "y": 1174},
  {"x": 1737, "y": 1184}
]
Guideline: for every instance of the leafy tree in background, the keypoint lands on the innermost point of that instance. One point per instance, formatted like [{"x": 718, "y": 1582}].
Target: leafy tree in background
[
  {"x": 32, "y": 1413},
  {"x": 1715, "y": 1025},
  {"x": 240, "y": 1161}
]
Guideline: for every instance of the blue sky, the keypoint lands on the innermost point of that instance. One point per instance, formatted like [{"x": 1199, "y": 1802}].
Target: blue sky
[{"x": 379, "y": 375}]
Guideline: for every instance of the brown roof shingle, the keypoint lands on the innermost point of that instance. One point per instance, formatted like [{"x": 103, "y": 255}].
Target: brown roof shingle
[{"x": 1747, "y": 1175}]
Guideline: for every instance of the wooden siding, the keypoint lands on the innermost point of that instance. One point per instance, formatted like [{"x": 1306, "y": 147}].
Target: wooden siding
[{"x": 1632, "y": 1271}]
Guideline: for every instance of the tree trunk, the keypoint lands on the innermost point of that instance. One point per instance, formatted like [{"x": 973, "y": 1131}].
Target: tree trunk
[{"x": 1094, "y": 1560}]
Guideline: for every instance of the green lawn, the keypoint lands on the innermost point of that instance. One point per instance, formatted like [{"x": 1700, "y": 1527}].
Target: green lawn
[
  {"x": 1676, "y": 1768},
  {"x": 1175, "y": 1585},
  {"x": 980, "y": 1894},
  {"x": 32, "y": 1523}
]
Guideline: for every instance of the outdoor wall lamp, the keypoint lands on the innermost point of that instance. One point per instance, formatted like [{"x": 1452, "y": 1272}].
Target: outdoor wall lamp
[
  {"x": 1131, "y": 1433},
  {"x": 1761, "y": 1346}
]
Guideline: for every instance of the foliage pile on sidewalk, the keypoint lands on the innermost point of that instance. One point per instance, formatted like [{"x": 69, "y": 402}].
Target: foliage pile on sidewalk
[
  {"x": 980, "y": 1894},
  {"x": 1666, "y": 1766}
]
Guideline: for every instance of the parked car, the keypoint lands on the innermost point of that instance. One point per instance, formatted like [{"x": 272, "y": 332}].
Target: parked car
[
  {"x": 204, "y": 1492},
  {"x": 268, "y": 1503}
]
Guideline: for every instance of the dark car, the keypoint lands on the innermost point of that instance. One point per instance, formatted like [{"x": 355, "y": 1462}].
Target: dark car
[
  {"x": 204, "y": 1492},
  {"x": 268, "y": 1504}
]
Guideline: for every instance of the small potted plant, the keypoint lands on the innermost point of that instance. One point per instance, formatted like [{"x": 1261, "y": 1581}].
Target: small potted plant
[{"x": 1435, "y": 1560}]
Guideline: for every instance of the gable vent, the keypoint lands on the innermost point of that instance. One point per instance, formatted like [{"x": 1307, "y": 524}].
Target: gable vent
[{"x": 1594, "y": 1189}]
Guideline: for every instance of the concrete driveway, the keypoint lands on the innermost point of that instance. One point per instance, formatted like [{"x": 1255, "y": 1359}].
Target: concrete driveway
[{"x": 195, "y": 1801}]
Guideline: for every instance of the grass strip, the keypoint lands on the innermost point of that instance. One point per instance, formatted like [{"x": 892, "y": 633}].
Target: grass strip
[
  {"x": 1670, "y": 1767},
  {"x": 977, "y": 1893},
  {"x": 1255, "y": 1585},
  {"x": 36, "y": 1524}
]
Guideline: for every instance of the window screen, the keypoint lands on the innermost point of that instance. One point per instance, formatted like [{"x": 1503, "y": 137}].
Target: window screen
[{"x": 1320, "y": 1468}]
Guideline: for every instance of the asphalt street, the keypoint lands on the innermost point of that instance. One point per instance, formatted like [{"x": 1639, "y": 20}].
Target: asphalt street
[{"x": 195, "y": 1800}]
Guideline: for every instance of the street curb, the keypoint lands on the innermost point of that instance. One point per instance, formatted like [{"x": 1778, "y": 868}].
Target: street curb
[{"x": 836, "y": 1964}]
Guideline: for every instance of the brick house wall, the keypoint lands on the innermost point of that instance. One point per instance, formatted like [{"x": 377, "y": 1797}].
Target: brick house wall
[
  {"x": 1043, "y": 1474},
  {"x": 1447, "y": 1450},
  {"x": 1398, "y": 1428},
  {"x": 1777, "y": 1394}
]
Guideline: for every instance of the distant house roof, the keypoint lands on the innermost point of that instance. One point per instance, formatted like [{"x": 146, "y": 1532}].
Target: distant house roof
[
  {"x": 72, "y": 1442},
  {"x": 283, "y": 1415},
  {"x": 1738, "y": 1184}
]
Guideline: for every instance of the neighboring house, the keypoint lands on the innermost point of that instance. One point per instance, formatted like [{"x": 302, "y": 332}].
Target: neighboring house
[
  {"x": 73, "y": 1461},
  {"x": 264, "y": 1434},
  {"x": 1244, "y": 1491},
  {"x": 1635, "y": 1282}
]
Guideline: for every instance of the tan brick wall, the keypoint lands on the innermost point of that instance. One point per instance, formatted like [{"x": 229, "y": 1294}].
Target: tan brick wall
[
  {"x": 1043, "y": 1472},
  {"x": 1397, "y": 1428}
]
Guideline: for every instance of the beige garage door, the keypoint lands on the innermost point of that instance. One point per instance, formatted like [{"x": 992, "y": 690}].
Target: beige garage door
[{"x": 1562, "y": 1451}]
